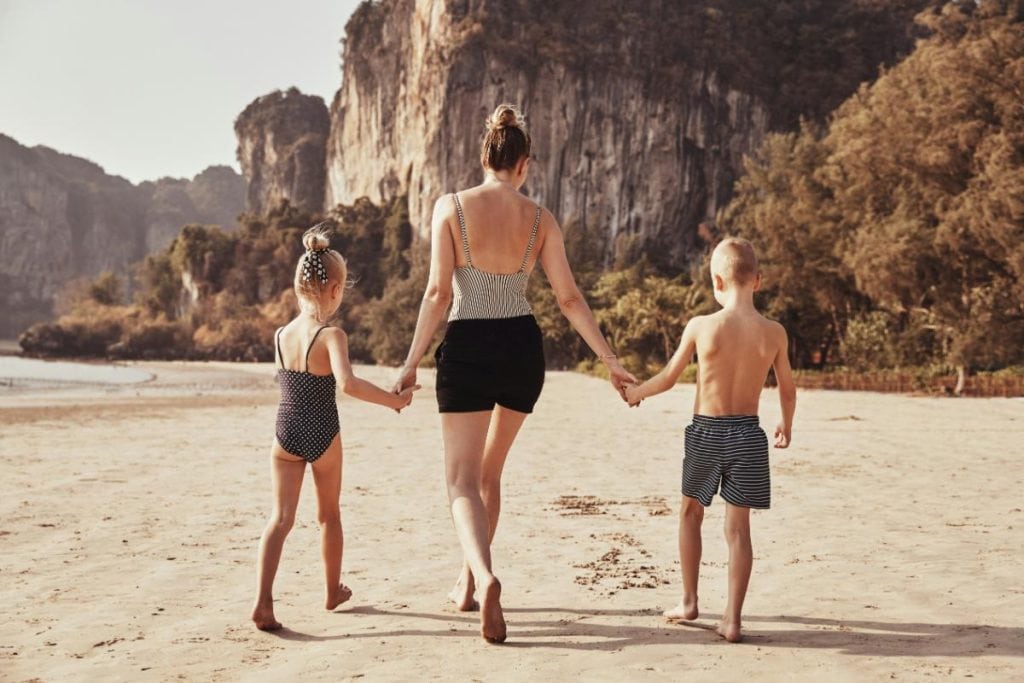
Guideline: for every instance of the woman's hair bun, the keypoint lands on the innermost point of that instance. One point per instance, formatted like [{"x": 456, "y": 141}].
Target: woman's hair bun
[
  {"x": 505, "y": 116},
  {"x": 317, "y": 238}
]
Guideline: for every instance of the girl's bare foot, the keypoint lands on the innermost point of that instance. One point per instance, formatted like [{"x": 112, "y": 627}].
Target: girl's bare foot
[
  {"x": 686, "y": 610},
  {"x": 462, "y": 593},
  {"x": 730, "y": 630},
  {"x": 341, "y": 594},
  {"x": 492, "y": 621},
  {"x": 264, "y": 619}
]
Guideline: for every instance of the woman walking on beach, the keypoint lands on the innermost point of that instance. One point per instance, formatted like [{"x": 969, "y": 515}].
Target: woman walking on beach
[{"x": 485, "y": 241}]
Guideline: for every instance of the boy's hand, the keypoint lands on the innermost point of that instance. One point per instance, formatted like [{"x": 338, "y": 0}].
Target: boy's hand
[
  {"x": 405, "y": 397},
  {"x": 633, "y": 395},
  {"x": 782, "y": 435}
]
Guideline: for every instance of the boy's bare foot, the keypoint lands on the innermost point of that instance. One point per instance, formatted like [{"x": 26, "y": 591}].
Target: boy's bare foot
[
  {"x": 264, "y": 619},
  {"x": 730, "y": 630},
  {"x": 462, "y": 594},
  {"x": 686, "y": 610},
  {"x": 492, "y": 621},
  {"x": 341, "y": 594}
]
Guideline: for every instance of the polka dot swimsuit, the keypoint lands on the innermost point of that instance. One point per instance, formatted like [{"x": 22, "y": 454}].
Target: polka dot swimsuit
[{"x": 307, "y": 417}]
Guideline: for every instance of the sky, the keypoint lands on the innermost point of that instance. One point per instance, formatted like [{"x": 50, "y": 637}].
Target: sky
[{"x": 151, "y": 88}]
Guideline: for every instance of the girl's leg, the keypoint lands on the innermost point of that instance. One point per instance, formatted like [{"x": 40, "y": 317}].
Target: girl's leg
[
  {"x": 502, "y": 431},
  {"x": 286, "y": 473},
  {"x": 327, "y": 477},
  {"x": 465, "y": 436}
]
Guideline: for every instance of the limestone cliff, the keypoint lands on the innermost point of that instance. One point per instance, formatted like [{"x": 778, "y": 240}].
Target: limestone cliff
[
  {"x": 281, "y": 145},
  {"x": 63, "y": 217},
  {"x": 641, "y": 112}
]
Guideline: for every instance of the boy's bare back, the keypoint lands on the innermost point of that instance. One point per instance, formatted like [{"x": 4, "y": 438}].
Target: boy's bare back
[{"x": 735, "y": 349}]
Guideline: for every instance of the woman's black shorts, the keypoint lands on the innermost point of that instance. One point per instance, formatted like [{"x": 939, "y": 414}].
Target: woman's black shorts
[{"x": 485, "y": 362}]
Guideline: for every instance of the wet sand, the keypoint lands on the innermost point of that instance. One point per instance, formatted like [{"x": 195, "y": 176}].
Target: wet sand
[{"x": 129, "y": 518}]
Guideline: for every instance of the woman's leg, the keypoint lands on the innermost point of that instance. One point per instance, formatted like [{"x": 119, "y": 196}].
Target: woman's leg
[
  {"x": 465, "y": 437},
  {"x": 502, "y": 430},
  {"x": 286, "y": 473},
  {"x": 327, "y": 477}
]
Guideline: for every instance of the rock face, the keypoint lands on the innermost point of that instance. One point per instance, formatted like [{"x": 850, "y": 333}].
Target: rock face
[
  {"x": 63, "y": 217},
  {"x": 613, "y": 151},
  {"x": 282, "y": 140}
]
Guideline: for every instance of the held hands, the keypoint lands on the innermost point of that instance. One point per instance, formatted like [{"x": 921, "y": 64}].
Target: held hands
[
  {"x": 404, "y": 397},
  {"x": 404, "y": 387},
  {"x": 782, "y": 436},
  {"x": 620, "y": 377},
  {"x": 632, "y": 395}
]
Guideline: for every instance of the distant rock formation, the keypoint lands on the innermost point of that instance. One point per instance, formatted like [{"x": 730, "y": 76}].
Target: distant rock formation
[
  {"x": 640, "y": 112},
  {"x": 282, "y": 142},
  {"x": 63, "y": 217}
]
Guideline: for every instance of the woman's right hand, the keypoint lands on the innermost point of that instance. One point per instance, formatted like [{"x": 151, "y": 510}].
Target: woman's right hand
[
  {"x": 404, "y": 397},
  {"x": 406, "y": 379}
]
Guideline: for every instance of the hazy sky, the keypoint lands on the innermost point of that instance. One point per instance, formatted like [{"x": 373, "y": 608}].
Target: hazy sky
[{"x": 151, "y": 88}]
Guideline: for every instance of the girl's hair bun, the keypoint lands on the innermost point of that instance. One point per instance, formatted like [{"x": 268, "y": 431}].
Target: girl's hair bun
[
  {"x": 505, "y": 116},
  {"x": 317, "y": 238}
]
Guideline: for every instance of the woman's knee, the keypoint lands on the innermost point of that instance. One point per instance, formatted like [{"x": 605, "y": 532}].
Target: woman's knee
[
  {"x": 282, "y": 520},
  {"x": 329, "y": 517}
]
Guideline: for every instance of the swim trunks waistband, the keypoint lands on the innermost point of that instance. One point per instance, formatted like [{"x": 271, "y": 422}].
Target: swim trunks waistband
[{"x": 726, "y": 420}]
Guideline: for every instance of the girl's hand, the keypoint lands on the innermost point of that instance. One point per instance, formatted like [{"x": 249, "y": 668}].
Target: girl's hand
[
  {"x": 633, "y": 395},
  {"x": 406, "y": 378},
  {"x": 404, "y": 397},
  {"x": 620, "y": 377}
]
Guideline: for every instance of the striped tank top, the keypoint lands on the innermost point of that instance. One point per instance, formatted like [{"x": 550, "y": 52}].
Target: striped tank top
[{"x": 478, "y": 294}]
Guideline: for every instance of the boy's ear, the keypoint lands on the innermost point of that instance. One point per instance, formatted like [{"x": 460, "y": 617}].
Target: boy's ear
[
  {"x": 757, "y": 282},
  {"x": 719, "y": 282}
]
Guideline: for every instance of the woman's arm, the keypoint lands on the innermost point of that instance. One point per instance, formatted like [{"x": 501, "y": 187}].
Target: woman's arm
[
  {"x": 337, "y": 349},
  {"x": 438, "y": 294},
  {"x": 572, "y": 304}
]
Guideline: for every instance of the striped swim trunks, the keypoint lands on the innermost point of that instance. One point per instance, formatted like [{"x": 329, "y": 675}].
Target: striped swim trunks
[{"x": 731, "y": 451}]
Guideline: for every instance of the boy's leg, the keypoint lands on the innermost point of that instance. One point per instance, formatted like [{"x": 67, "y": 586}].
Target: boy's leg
[
  {"x": 327, "y": 477},
  {"x": 465, "y": 435},
  {"x": 691, "y": 515},
  {"x": 502, "y": 431},
  {"x": 741, "y": 560},
  {"x": 286, "y": 472}
]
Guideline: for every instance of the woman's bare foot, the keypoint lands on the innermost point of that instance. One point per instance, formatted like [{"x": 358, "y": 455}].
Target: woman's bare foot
[
  {"x": 730, "y": 630},
  {"x": 341, "y": 594},
  {"x": 263, "y": 617},
  {"x": 686, "y": 610},
  {"x": 462, "y": 593},
  {"x": 492, "y": 621}
]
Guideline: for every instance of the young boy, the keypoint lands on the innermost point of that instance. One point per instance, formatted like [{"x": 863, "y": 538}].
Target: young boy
[{"x": 725, "y": 445}]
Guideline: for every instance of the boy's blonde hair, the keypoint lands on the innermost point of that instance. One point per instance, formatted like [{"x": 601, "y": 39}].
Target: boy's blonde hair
[
  {"x": 318, "y": 268},
  {"x": 735, "y": 261}
]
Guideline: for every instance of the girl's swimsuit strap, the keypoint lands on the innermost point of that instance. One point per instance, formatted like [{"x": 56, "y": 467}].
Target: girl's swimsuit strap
[{"x": 310, "y": 347}]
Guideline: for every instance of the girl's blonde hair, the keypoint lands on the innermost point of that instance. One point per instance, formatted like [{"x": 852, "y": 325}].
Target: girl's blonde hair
[{"x": 318, "y": 268}]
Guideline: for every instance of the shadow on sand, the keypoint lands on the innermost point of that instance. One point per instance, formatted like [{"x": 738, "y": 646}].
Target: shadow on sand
[{"x": 571, "y": 629}]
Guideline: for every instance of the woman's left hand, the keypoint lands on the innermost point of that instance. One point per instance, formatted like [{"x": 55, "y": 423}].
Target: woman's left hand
[{"x": 620, "y": 377}]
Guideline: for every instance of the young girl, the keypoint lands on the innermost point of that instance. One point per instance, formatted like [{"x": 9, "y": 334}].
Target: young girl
[{"x": 311, "y": 358}]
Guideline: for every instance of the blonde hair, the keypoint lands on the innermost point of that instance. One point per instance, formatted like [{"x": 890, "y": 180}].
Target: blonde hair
[
  {"x": 505, "y": 139},
  {"x": 318, "y": 268},
  {"x": 734, "y": 260}
]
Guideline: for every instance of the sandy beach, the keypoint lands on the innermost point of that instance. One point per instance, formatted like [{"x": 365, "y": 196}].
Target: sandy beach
[{"x": 130, "y": 515}]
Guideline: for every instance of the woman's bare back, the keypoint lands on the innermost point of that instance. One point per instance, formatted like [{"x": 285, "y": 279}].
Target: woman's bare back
[{"x": 498, "y": 223}]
